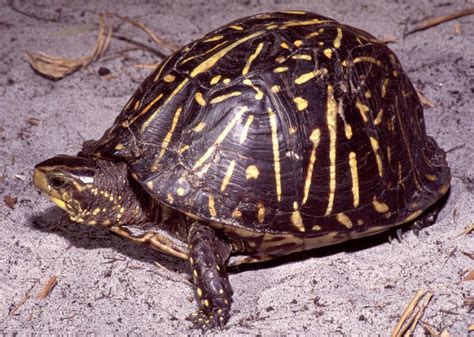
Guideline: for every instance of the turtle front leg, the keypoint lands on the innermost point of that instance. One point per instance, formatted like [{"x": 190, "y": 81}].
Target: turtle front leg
[{"x": 207, "y": 255}]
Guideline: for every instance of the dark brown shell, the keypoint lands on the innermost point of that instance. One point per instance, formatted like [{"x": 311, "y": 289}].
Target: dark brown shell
[{"x": 282, "y": 123}]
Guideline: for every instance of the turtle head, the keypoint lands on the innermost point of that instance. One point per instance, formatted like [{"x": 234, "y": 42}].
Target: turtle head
[{"x": 90, "y": 190}]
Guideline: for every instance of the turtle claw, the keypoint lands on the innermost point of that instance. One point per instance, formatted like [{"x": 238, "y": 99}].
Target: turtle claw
[{"x": 207, "y": 320}]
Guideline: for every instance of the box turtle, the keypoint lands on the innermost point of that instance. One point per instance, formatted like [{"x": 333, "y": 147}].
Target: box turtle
[{"x": 274, "y": 134}]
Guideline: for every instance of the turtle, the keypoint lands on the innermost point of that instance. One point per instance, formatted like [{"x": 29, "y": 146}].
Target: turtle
[{"x": 274, "y": 134}]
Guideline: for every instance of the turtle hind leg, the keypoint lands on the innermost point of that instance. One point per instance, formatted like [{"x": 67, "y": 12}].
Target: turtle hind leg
[
  {"x": 207, "y": 256},
  {"x": 426, "y": 219}
]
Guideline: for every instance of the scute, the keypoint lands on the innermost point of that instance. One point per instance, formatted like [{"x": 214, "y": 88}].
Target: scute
[{"x": 294, "y": 124}]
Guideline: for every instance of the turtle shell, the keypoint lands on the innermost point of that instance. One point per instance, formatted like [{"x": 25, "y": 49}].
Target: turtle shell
[{"x": 282, "y": 123}]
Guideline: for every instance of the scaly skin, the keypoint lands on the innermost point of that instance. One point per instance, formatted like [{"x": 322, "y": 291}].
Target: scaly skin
[{"x": 207, "y": 255}]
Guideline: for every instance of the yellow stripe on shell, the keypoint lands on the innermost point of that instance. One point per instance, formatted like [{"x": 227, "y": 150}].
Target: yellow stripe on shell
[
  {"x": 174, "y": 93},
  {"x": 251, "y": 59},
  {"x": 220, "y": 138},
  {"x": 276, "y": 152},
  {"x": 331, "y": 121},
  {"x": 315, "y": 139},
  {"x": 228, "y": 175},
  {"x": 222, "y": 98},
  {"x": 211, "y": 61},
  {"x": 355, "y": 178}
]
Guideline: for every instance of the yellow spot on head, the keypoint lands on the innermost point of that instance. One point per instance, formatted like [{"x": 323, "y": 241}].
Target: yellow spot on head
[
  {"x": 284, "y": 45},
  {"x": 272, "y": 26},
  {"x": 252, "y": 172},
  {"x": 96, "y": 211},
  {"x": 301, "y": 103},
  {"x": 275, "y": 88},
  {"x": 119, "y": 146},
  {"x": 180, "y": 191},
  {"x": 199, "y": 291},
  {"x": 226, "y": 81},
  {"x": 236, "y": 27}
]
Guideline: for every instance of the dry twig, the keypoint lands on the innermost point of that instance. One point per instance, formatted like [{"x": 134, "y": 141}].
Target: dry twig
[
  {"x": 424, "y": 100},
  {"x": 431, "y": 22},
  {"x": 58, "y": 67},
  {"x": 412, "y": 314},
  {"x": 158, "y": 40},
  {"x": 46, "y": 290}
]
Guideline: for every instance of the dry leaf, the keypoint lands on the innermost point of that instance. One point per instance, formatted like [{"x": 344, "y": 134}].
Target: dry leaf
[
  {"x": 52, "y": 281},
  {"x": 58, "y": 67},
  {"x": 423, "y": 99},
  {"x": 430, "y": 329},
  {"x": 33, "y": 121},
  {"x": 457, "y": 28},
  {"x": 10, "y": 201},
  {"x": 469, "y": 276}
]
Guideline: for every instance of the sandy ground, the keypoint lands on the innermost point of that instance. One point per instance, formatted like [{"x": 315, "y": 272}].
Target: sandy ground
[{"x": 109, "y": 285}]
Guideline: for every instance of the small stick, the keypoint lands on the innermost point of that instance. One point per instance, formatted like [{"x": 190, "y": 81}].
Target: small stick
[
  {"x": 428, "y": 23},
  {"x": 418, "y": 315},
  {"x": 17, "y": 306},
  {"x": 158, "y": 40},
  {"x": 53, "y": 280},
  {"x": 173, "y": 274},
  {"x": 407, "y": 312}
]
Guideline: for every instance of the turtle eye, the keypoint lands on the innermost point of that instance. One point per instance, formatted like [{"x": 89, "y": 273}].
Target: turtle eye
[{"x": 56, "y": 182}]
